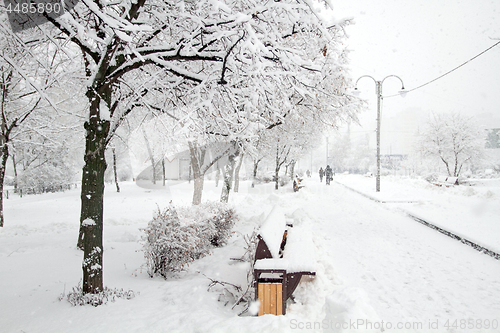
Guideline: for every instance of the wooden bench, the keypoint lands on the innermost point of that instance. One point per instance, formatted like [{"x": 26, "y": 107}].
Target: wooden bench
[
  {"x": 446, "y": 181},
  {"x": 284, "y": 254}
]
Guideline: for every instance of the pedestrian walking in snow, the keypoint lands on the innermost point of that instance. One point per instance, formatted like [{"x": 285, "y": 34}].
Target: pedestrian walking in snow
[
  {"x": 328, "y": 174},
  {"x": 321, "y": 174}
]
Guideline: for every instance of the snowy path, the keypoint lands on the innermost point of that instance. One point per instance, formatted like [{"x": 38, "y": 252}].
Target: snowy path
[
  {"x": 471, "y": 212},
  {"x": 410, "y": 272}
]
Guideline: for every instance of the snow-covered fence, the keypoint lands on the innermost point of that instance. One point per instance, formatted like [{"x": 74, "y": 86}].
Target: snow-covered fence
[
  {"x": 39, "y": 190},
  {"x": 455, "y": 236},
  {"x": 284, "y": 254}
]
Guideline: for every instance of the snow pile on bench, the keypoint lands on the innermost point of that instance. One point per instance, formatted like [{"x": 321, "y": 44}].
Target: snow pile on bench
[
  {"x": 300, "y": 251},
  {"x": 271, "y": 264},
  {"x": 272, "y": 230}
]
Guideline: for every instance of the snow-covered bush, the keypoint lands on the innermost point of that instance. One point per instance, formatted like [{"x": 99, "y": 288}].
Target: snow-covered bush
[
  {"x": 432, "y": 177},
  {"x": 169, "y": 246},
  {"x": 453, "y": 139},
  {"x": 177, "y": 236},
  {"x": 220, "y": 220}
]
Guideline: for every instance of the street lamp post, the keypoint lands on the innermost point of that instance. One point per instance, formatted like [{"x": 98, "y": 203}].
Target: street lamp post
[{"x": 378, "y": 91}]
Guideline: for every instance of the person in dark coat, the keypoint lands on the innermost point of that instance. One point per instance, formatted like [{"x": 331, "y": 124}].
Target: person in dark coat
[
  {"x": 328, "y": 174},
  {"x": 321, "y": 174}
]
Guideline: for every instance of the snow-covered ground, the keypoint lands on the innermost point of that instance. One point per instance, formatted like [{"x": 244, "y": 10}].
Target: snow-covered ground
[
  {"x": 377, "y": 267},
  {"x": 469, "y": 211}
]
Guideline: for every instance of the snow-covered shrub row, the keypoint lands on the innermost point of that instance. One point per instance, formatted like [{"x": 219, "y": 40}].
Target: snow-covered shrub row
[
  {"x": 49, "y": 177},
  {"x": 77, "y": 297},
  {"x": 432, "y": 177},
  {"x": 179, "y": 235},
  {"x": 269, "y": 177},
  {"x": 168, "y": 245},
  {"x": 220, "y": 219}
]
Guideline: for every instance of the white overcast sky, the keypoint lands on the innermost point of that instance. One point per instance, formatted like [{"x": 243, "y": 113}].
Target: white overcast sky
[{"x": 419, "y": 40}]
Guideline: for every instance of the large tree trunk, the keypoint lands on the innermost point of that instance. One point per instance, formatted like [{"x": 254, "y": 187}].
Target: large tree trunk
[
  {"x": 199, "y": 179},
  {"x": 3, "y": 145},
  {"x": 255, "y": 167},
  {"x": 15, "y": 172},
  {"x": 447, "y": 166},
  {"x": 229, "y": 172},
  {"x": 217, "y": 175},
  {"x": 277, "y": 169},
  {"x": 237, "y": 174},
  {"x": 3, "y": 166},
  {"x": 228, "y": 178},
  {"x": 190, "y": 169},
  {"x": 151, "y": 156},
  {"x": 115, "y": 172},
  {"x": 198, "y": 189},
  {"x": 91, "y": 218},
  {"x": 292, "y": 170},
  {"x": 163, "y": 170},
  {"x": 456, "y": 171}
]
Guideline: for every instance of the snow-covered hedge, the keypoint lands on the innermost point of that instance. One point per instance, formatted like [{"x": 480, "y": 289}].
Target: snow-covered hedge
[
  {"x": 178, "y": 235},
  {"x": 218, "y": 218},
  {"x": 49, "y": 177}
]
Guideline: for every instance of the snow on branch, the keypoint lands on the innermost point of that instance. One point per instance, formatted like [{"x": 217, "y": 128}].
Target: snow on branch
[
  {"x": 29, "y": 80},
  {"x": 236, "y": 65}
]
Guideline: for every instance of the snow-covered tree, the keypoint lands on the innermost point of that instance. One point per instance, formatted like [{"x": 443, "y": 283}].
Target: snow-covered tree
[
  {"x": 237, "y": 169},
  {"x": 287, "y": 143},
  {"x": 32, "y": 79},
  {"x": 204, "y": 157},
  {"x": 452, "y": 139},
  {"x": 42, "y": 162},
  {"x": 263, "y": 59},
  {"x": 149, "y": 140},
  {"x": 339, "y": 150},
  {"x": 233, "y": 155},
  {"x": 120, "y": 155},
  {"x": 258, "y": 154},
  {"x": 353, "y": 155},
  {"x": 493, "y": 138}
]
